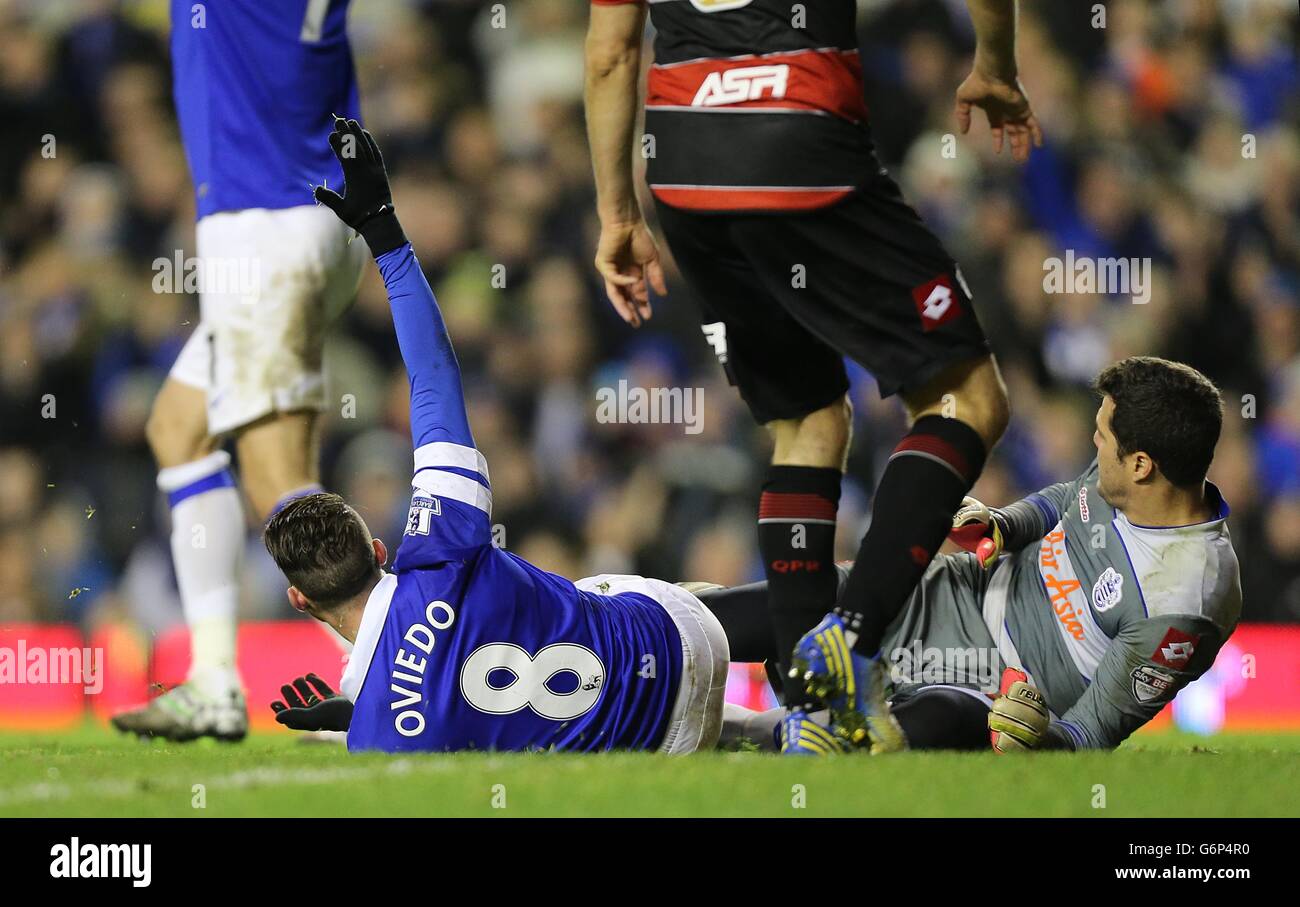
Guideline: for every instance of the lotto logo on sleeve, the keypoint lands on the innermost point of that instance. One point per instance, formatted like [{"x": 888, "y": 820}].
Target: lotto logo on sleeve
[
  {"x": 936, "y": 302},
  {"x": 1175, "y": 650}
]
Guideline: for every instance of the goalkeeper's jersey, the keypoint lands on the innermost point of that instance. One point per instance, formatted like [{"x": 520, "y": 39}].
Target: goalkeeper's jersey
[{"x": 1110, "y": 619}]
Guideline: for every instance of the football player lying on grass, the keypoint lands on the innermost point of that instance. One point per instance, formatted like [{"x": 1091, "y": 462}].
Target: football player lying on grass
[
  {"x": 1105, "y": 595},
  {"x": 466, "y": 646}
]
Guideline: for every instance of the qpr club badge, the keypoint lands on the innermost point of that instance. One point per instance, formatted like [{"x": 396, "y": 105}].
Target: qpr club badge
[{"x": 1108, "y": 590}]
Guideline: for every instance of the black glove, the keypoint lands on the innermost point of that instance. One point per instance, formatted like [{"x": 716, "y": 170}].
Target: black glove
[
  {"x": 368, "y": 205},
  {"x": 307, "y": 709}
]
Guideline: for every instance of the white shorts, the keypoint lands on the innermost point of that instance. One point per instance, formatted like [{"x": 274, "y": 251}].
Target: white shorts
[
  {"x": 270, "y": 283},
  {"x": 696, "y": 720}
]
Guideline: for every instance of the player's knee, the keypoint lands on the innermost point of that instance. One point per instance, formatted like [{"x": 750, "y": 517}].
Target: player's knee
[
  {"x": 261, "y": 498},
  {"x": 821, "y": 438},
  {"x": 972, "y": 391},
  {"x": 987, "y": 410},
  {"x": 829, "y": 426},
  {"x": 266, "y": 486},
  {"x": 158, "y": 431},
  {"x": 174, "y": 434},
  {"x": 997, "y": 410},
  {"x": 276, "y": 458}
]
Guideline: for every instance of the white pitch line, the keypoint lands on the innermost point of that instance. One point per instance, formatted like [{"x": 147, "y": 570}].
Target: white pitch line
[{"x": 120, "y": 788}]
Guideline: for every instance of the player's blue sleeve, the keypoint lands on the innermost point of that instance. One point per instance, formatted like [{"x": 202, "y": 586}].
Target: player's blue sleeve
[{"x": 451, "y": 507}]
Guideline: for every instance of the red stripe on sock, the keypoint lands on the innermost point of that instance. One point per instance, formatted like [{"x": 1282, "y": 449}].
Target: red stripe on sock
[
  {"x": 787, "y": 506},
  {"x": 936, "y": 447}
]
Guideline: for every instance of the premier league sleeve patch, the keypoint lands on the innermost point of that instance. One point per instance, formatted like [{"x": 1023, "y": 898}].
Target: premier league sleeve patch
[
  {"x": 1150, "y": 684},
  {"x": 422, "y": 512}
]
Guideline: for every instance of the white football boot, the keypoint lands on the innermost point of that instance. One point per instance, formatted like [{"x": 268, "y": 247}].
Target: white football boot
[{"x": 188, "y": 712}]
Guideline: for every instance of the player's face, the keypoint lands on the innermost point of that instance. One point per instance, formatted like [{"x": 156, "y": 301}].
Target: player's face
[{"x": 1110, "y": 469}]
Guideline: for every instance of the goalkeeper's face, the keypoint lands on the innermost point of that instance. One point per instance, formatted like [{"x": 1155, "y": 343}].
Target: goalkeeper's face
[{"x": 1116, "y": 474}]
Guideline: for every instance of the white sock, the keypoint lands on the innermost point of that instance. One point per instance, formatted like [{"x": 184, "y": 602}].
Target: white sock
[
  {"x": 759, "y": 728},
  {"x": 207, "y": 547}
]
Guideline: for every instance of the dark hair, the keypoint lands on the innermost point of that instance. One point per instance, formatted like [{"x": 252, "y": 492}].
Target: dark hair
[
  {"x": 1167, "y": 409},
  {"x": 323, "y": 547}
]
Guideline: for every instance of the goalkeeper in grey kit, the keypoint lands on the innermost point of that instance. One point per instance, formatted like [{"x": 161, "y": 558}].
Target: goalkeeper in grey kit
[{"x": 1100, "y": 598}]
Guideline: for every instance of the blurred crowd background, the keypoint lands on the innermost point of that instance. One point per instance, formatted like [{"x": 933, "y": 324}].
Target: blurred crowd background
[{"x": 1145, "y": 119}]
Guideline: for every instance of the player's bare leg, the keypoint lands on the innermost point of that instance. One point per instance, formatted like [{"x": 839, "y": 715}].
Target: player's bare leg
[
  {"x": 972, "y": 392},
  {"x": 819, "y": 439},
  {"x": 177, "y": 429},
  {"x": 279, "y": 460},
  {"x": 207, "y": 543},
  {"x": 958, "y": 416},
  {"x": 796, "y": 521}
]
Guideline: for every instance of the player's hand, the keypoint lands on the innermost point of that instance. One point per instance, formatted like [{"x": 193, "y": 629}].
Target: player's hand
[
  {"x": 628, "y": 261},
  {"x": 367, "y": 205},
  {"x": 1018, "y": 719},
  {"x": 974, "y": 528},
  {"x": 310, "y": 705},
  {"x": 1005, "y": 103}
]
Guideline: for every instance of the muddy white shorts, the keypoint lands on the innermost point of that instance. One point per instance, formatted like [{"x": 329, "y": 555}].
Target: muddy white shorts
[
  {"x": 270, "y": 284},
  {"x": 696, "y": 720}
]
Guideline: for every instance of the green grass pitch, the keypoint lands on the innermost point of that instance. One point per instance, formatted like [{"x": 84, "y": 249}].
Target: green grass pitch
[{"x": 96, "y": 773}]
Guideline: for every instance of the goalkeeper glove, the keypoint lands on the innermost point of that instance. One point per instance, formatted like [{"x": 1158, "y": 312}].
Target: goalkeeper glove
[
  {"x": 367, "y": 205},
  {"x": 1019, "y": 717},
  {"x": 977, "y": 528},
  {"x": 310, "y": 705}
]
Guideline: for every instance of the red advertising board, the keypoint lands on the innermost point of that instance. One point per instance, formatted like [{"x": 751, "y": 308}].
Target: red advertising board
[{"x": 52, "y": 677}]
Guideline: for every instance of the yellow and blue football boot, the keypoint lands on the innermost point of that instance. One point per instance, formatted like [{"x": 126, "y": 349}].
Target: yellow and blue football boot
[
  {"x": 802, "y": 736},
  {"x": 851, "y": 685}
]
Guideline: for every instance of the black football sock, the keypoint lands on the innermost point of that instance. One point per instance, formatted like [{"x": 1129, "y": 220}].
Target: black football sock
[
  {"x": 796, "y": 538},
  {"x": 930, "y": 471}
]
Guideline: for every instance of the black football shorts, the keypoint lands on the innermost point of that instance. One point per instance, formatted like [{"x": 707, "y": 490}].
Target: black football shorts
[{"x": 784, "y": 296}]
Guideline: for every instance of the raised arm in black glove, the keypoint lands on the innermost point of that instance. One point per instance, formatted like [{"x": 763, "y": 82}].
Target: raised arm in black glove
[
  {"x": 367, "y": 203},
  {"x": 310, "y": 705}
]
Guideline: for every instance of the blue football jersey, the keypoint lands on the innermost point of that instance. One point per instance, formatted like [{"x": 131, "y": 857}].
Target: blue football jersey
[
  {"x": 465, "y": 645},
  {"x": 255, "y": 83}
]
